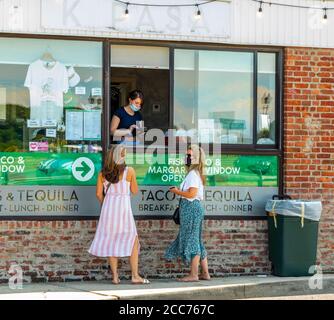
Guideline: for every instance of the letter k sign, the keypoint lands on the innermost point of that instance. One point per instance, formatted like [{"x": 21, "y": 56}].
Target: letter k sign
[{"x": 68, "y": 12}]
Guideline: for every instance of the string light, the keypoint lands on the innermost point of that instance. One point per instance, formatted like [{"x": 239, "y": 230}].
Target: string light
[
  {"x": 260, "y": 11},
  {"x": 289, "y": 5},
  {"x": 324, "y": 18},
  {"x": 169, "y": 5},
  {"x": 198, "y": 13},
  {"x": 126, "y": 13}
]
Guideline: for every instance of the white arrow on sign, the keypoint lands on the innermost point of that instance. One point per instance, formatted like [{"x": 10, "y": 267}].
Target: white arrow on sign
[{"x": 83, "y": 169}]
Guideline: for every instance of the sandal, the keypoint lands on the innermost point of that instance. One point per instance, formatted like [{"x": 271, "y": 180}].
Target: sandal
[
  {"x": 145, "y": 281},
  {"x": 116, "y": 282}
]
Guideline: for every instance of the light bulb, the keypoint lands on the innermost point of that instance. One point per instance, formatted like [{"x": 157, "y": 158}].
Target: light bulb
[
  {"x": 126, "y": 13},
  {"x": 198, "y": 14},
  {"x": 325, "y": 18},
  {"x": 260, "y": 11}
]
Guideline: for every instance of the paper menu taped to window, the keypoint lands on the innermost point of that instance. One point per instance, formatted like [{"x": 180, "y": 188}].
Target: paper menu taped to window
[
  {"x": 92, "y": 125},
  {"x": 74, "y": 125},
  {"x": 83, "y": 125}
]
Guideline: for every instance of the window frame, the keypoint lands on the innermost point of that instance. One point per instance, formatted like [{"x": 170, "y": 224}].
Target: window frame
[
  {"x": 236, "y": 149},
  {"x": 172, "y": 45},
  {"x": 69, "y": 39},
  {"x": 253, "y": 146},
  {"x": 253, "y": 149}
]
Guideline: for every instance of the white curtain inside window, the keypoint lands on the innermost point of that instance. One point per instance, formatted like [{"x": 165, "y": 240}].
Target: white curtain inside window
[{"x": 139, "y": 57}]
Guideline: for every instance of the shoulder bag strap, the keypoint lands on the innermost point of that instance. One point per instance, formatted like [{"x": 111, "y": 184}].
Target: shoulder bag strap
[
  {"x": 108, "y": 186},
  {"x": 183, "y": 182},
  {"x": 125, "y": 173}
]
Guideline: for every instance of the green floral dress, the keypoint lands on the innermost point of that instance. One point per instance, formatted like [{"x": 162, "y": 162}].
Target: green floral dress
[{"x": 188, "y": 243}]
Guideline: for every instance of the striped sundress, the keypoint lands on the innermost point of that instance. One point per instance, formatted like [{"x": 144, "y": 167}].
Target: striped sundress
[{"x": 116, "y": 231}]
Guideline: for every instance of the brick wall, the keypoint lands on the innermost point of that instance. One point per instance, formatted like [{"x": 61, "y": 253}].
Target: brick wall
[
  {"x": 309, "y": 136},
  {"x": 56, "y": 251}
]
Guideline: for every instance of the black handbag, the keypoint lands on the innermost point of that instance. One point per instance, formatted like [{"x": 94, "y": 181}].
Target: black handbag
[{"x": 176, "y": 215}]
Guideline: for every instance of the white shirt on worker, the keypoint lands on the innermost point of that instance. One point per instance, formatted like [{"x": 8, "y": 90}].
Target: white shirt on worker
[{"x": 193, "y": 180}]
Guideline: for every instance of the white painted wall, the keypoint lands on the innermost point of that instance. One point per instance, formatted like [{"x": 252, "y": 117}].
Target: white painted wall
[{"x": 234, "y": 23}]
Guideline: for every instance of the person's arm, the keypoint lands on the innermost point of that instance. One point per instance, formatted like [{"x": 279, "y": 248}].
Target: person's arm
[
  {"x": 119, "y": 132},
  {"x": 190, "y": 186},
  {"x": 99, "y": 188},
  {"x": 133, "y": 180},
  {"x": 189, "y": 194}
]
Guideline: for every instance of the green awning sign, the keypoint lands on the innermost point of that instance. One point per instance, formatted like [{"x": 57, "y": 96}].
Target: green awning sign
[{"x": 71, "y": 169}]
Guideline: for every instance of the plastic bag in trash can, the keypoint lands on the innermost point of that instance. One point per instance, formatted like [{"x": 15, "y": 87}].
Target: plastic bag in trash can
[{"x": 296, "y": 208}]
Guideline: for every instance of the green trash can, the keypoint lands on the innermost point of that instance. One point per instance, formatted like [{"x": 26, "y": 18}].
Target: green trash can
[{"x": 293, "y": 236}]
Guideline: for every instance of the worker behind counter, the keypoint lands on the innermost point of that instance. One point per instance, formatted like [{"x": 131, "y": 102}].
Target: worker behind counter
[{"x": 127, "y": 120}]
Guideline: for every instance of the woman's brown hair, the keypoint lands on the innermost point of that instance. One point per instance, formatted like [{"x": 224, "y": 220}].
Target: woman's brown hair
[
  {"x": 198, "y": 162},
  {"x": 114, "y": 164},
  {"x": 137, "y": 94}
]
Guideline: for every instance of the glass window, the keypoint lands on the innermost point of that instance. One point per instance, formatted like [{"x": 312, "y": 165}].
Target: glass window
[
  {"x": 213, "y": 96},
  {"x": 145, "y": 68},
  {"x": 50, "y": 109},
  {"x": 266, "y": 98}
]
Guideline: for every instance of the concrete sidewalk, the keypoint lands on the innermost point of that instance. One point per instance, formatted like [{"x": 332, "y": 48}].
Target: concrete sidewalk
[{"x": 217, "y": 289}]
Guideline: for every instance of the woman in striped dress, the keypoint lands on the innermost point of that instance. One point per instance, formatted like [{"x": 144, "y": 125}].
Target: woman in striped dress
[{"x": 116, "y": 235}]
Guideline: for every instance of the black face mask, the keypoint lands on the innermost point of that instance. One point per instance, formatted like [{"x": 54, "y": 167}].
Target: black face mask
[{"x": 188, "y": 160}]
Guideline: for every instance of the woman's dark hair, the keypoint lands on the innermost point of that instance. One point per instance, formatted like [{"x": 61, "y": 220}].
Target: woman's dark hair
[
  {"x": 136, "y": 94},
  {"x": 114, "y": 164}
]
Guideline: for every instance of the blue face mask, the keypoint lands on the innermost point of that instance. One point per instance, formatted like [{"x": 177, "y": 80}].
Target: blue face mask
[{"x": 134, "y": 107}]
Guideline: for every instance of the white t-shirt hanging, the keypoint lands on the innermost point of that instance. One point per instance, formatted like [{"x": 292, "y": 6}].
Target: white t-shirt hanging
[
  {"x": 47, "y": 87},
  {"x": 193, "y": 180}
]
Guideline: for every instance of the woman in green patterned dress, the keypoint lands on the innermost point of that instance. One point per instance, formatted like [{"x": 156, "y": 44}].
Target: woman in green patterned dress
[{"x": 189, "y": 244}]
